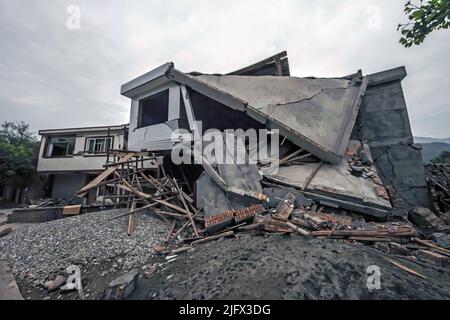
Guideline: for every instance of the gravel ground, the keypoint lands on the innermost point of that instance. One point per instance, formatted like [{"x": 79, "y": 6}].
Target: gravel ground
[{"x": 42, "y": 251}]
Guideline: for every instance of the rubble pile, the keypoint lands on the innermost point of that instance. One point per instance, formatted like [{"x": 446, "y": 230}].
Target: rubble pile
[
  {"x": 329, "y": 171},
  {"x": 277, "y": 209},
  {"x": 337, "y": 171},
  {"x": 323, "y": 182},
  {"x": 438, "y": 178},
  {"x": 48, "y": 202}
]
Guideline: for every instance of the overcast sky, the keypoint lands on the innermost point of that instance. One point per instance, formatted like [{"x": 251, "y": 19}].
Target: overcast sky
[{"x": 52, "y": 76}]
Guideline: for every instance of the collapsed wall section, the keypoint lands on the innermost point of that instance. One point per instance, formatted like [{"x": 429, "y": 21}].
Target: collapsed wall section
[{"x": 384, "y": 124}]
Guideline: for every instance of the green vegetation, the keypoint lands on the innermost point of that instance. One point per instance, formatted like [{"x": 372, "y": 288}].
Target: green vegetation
[
  {"x": 443, "y": 157},
  {"x": 18, "y": 150},
  {"x": 424, "y": 19}
]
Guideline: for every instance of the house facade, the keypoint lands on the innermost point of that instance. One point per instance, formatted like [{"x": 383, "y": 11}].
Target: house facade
[{"x": 71, "y": 157}]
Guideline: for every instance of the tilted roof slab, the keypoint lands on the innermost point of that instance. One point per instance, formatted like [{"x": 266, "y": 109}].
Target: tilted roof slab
[{"x": 317, "y": 114}]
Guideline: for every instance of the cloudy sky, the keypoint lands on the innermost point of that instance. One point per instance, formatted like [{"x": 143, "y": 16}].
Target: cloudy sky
[{"x": 54, "y": 76}]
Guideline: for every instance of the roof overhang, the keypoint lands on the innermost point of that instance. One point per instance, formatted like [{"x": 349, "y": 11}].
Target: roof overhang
[
  {"x": 395, "y": 74},
  {"x": 147, "y": 81},
  {"x": 82, "y": 130}
]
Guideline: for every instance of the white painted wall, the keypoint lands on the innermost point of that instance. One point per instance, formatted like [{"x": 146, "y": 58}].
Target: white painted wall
[
  {"x": 76, "y": 162},
  {"x": 154, "y": 137}
]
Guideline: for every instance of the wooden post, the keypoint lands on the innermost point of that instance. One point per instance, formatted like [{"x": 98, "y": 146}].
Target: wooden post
[
  {"x": 132, "y": 219},
  {"x": 183, "y": 201}
]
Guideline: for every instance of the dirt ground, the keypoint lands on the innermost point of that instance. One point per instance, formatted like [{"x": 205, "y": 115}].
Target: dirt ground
[
  {"x": 290, "y": 267},
  {"x": 272, "y": 267}
]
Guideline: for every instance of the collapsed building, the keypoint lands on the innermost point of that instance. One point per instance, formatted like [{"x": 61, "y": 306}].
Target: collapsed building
[
  {"x": 345, "y": 142},
  {"x": 257, "y": 151},
  {"x": 332, "y": 158}
]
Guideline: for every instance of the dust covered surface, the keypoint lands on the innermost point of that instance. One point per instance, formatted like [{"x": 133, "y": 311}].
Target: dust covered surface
[{"x": 291, "y": 267}]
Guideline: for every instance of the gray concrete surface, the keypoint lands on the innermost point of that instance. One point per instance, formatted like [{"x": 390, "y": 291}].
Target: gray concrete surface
[
  {"x": 8, "y": 286},
  {"x": 384, "y": 123},
  {"x": 319, "y": 113}
]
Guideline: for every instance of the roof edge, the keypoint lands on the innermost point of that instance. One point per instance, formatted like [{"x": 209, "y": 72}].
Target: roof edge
[
  {"x": 128, "y": 89},
  {"x": 82, "y": 129},
  {"x": 389, "y": 75}
]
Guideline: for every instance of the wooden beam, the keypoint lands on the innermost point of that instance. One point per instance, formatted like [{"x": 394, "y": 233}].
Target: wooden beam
[
  {"x": 217, "y": 236},
  {"x": 94, "y": 183},
  {"x": 185, "y": 206},
  {"x": 312, "y": 175}
]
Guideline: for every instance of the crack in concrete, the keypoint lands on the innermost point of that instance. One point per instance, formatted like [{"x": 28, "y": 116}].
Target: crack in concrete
[{"x": 303, "y": 99}]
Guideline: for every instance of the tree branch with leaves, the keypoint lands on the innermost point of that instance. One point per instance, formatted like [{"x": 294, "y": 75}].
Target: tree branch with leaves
[{"x": 424, "y": 18}]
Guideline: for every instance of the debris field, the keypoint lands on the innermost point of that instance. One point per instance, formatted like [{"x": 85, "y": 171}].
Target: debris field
[{"x": 339, "y": 178}]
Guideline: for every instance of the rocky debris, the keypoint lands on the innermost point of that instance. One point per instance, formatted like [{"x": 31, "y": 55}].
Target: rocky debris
[
  {"x": 5, "y": 231},
  {"x": 42, "y": 203},
  {"x": 383, "y": 246},
  {"x": 122, "y": 287},
  {"x": 55, "y": 284},
  {"x": 3, "y": 219},
  {"x": 149, "y": 270},
  {"x": 41, "y": 252},
  {"x": 434, "y": 257},
  {"x": 426, "y": 219},
  {"x": 397, "y": 248},
  {"x": 438, "y": 179},
  {"x": 442, "y": 239}
]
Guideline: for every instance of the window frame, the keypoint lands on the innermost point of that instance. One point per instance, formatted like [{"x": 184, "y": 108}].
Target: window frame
[
  {"x": 47, "y": 145},
  {"x": 86, "y": 152}
]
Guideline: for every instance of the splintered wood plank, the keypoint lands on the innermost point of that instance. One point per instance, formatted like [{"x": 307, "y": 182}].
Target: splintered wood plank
[
  {"x": 172, "y": 229},
  {"x": 143, "y": 195},
  {"x": 72, "y": 210},
  {"x": 93, "y": 184},
  {"x": 183, "y": 201},
  {"x": 132, "y": 220},
  {"x": 404, "y": 268},
  {"x": 131, "y": 224}
]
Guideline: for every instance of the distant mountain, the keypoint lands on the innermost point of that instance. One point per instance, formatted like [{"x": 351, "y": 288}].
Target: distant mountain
[
  {"x": 433, "y": 149},
  {"x": 430, "y": 140}
]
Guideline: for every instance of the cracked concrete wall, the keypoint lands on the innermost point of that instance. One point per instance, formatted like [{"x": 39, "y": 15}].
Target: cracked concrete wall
[{"x": 384, "y": 123}]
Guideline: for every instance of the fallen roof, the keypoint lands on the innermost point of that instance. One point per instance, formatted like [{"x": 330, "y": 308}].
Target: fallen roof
[
  {"x": 317, "y": 114},
  {"x": 366, "y": 193}
]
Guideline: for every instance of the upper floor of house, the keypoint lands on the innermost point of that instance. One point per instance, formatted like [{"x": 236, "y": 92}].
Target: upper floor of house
[{"x": 79, "y": 149}]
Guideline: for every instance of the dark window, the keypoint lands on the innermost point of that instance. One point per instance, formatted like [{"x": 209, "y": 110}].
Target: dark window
[
  {"x": 154, "y": 109},
  {"x": 215, "y": 115},
  {"x": 60, "y": 146}
]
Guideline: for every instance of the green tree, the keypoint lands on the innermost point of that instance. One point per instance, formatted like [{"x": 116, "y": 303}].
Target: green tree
[
  {"x": 424, "y": 19},
  {"x": 18, "y": 150},
  {"x": 443, "y": 157}
]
